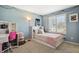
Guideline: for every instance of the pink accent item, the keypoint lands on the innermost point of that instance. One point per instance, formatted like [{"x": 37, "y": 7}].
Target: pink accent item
[
  {"x": 51, "y": 41},
  {"x": 12, "y": 36}
]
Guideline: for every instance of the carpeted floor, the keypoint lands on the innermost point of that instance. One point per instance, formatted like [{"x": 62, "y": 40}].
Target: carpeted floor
[{"x": 34, "y": 47}]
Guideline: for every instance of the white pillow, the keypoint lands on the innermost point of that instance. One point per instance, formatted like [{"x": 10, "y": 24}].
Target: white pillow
[{"x": 40, "y": 31}]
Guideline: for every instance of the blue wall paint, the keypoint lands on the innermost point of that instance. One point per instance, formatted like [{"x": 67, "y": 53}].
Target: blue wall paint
[
  {"x": 72, "y": 30},
  {"x": 11, "y": 14},
  {"x": 72, "y": 27}
]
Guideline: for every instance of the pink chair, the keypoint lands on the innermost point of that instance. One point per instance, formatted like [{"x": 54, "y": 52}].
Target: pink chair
[{"x": 12, "y": 38}]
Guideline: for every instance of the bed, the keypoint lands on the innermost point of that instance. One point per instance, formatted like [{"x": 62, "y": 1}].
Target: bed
[{"x": 52, "y": 40}]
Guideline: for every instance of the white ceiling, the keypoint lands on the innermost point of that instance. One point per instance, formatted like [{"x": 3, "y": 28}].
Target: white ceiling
[{"x": 42, "y": 9}]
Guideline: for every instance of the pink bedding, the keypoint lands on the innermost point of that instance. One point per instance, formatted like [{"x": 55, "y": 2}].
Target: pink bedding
[
  {"x": 49, "y": 38},
  {"x": 54, "y": 36}
]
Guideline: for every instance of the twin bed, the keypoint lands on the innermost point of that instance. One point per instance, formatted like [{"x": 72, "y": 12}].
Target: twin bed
[{"x": 52, "y": 40}]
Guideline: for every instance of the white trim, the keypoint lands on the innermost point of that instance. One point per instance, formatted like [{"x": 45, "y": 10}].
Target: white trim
[{"x": 72, "y": 42}]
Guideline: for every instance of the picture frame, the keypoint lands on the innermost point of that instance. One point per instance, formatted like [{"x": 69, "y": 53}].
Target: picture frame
[
  {"x": 37, "y": 22},
  {"x": 73, "y": 17}
]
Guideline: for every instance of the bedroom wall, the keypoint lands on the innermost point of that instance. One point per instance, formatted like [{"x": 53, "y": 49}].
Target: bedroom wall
[
  {"x": 72, "y": 27},
  {"x": 11, "y": 14}
]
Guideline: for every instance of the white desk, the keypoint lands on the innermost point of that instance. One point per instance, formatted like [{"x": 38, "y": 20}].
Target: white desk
[{"x": 3, "y": 38}]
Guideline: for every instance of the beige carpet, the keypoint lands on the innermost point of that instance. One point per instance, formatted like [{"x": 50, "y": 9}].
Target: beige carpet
[{"x": 34, "y": 47}]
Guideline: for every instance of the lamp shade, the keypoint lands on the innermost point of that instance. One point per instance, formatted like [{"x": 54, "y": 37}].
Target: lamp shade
[{"x": 28, "y": 18}]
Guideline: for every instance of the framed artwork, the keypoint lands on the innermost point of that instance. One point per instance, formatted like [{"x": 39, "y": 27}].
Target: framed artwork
[
  {"x": 37, "y": 22},
  {"x": 73, "y": 17}
]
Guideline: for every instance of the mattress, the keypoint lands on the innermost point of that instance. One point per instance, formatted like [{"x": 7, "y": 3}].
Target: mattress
[
  {"x": 51, "y": 39},
  {"x": 54, "y": 36}
]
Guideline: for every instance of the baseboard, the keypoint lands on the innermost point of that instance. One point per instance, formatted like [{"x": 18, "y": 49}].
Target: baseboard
[{"x": 72, "y": 42}]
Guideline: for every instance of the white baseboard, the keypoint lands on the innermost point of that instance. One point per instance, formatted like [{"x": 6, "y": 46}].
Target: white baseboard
[{"x": 72, "y": 42}]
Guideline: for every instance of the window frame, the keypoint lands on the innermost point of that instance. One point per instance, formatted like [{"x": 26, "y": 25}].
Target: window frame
[{"x": 56, "y": 21}]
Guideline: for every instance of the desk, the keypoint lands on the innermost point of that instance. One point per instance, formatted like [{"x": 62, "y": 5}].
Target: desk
[{"x": 3, "y": 38}]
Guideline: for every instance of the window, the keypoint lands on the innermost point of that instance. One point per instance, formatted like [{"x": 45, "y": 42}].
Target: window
[
  {"x": 61, "y": 23},
  {"x": 52, "y": 24},
  {"x": 57, "y": 23}
]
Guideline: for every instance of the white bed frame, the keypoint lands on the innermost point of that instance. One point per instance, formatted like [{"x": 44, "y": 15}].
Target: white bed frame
[{"x": 35, "y": 38}]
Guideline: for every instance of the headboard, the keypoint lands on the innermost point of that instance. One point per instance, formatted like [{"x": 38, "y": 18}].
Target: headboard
[{"x": 37, "y": 30}]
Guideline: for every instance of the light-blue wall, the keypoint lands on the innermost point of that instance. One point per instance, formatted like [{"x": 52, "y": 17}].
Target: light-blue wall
[
  {"x": 11, "y": 14},
  {"x": 72, "y": 27}
]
